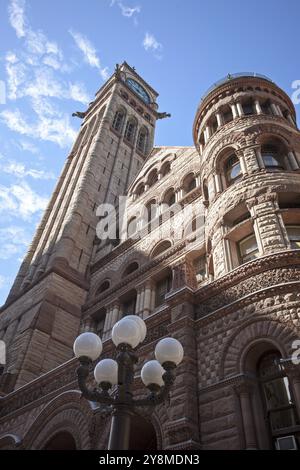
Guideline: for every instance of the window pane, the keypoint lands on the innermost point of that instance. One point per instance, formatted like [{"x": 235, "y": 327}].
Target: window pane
[
  {"x": 248, "y": 249},
  {"x": 235, "y": 171},
  {"x": 270, "y": 160},
  {"x": 162, "y": 287},
  {"x": 276, "y": 394},
  {"x": 200, "y": 268},
  {"x": 282, "y": 419},
  {"x": 294, "y": 236}
]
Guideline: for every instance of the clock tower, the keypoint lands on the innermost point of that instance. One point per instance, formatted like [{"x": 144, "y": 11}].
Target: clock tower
[{"x": 42, "y": 314}]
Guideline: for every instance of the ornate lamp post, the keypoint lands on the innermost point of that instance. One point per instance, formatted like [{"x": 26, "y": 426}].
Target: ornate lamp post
[{"x": 157, "y": 375}]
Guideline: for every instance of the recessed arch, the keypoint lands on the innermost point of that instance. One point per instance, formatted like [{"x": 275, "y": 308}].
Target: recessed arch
[
  {"x": 281, "y": 334},
  {"x": 160, "y": 248},
  {"x": 105, "y": 285},
  {"x": 65, "y": 413},
  {"x": 62, "y": 440},
  {"x": 133, "y": 266}
]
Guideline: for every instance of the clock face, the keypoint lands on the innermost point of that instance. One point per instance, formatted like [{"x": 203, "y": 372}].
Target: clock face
[{"x": 138, "y": 89}]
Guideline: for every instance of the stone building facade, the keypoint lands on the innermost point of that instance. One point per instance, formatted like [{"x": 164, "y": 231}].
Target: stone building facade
[{"x": 206, "y": 249}]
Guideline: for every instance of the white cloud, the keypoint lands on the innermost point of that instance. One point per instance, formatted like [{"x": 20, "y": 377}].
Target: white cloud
[
  {"x": 28, "y": 147},
  {"x": 3, "y": 281},
  {"x": 13, "y": 242},
  {"x": 127, "y": 11},
  {"x": 53, "y": 129},
  {"x": 20, "y": 171},
  {"x": 34, "y": 73},
  {"x": 89, "y": 52},
  {"x": 20, "y": 200},
  {"x": 78, "y": 93},
  {"x": 17, "y": 18},
  {"x": 150, "y": 43}
]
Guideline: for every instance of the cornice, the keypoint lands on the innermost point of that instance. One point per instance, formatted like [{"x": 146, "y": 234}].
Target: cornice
[{"x": 247, "y": 270}]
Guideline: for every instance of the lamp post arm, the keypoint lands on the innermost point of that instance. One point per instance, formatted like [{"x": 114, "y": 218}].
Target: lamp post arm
[
  {"x": 156, "y": 398},
  {"x": 92, "y": 395},
  {"x": 153, "y": 398}
]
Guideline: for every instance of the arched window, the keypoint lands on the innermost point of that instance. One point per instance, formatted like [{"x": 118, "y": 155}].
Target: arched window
[
  {"x": 276, "y": 393},
  {"x": 61, "y": 441},
  {"x": 103, "y": 287},
  {"x": 213, "y": 124},
  {"x": 99, "y": 321},
  {"x": 132, "y": 227},
  {"x": 189, "y": 183},
  {"x": 272, "y": 158},
  {"x": 151, "y": 210},
  {"x": 232, "y": 170},
  {"x": 248, "y": 107},
  {"x": 227, "y": 114},
  {"x": 142, "y": 142},
  {"x": 266, "y": 107},
  {"x": 128, "y": 303},
  {"x": 248, "y": 249},
  {"x": 140, "y": 189},
  {"x": 130, "y": 130},
  {"x": 160, "y": 248},
  {"x": 166, "y": 168},
  {"x": 205, "y": 191},
  {"x": 169, "y": 198},
  {"x": 118, "y": 120},
  {"x": 131, "y": 268},
  {"x": 152, "y": 178}
]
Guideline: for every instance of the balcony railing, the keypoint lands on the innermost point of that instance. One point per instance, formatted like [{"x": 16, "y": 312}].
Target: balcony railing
[{"x": 232, "y": 76}]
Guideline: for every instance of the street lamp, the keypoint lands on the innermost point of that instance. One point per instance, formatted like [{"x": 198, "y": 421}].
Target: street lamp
[{"x": 157, "y": 375}]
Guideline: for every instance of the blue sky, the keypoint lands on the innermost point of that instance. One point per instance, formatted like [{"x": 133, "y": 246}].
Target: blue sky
[{"x": 55, "y": 54}]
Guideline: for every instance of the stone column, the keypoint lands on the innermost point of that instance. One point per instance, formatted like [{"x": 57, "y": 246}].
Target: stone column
[
  {"x": 259, "y": 158},
  {"x": 274, "y": 109},
  {"x": 108, "y": 323},
  {"x": 147, "y": 299},
  {"x": 292, "y": 160},
  {"x": 218, "y": 183},
  {"x": 211, "y": 187},
  {"x": 267, "y": 226},
  {"x": 208, "y": 132},
  {"x": 293, "y": 374},
  {"x": 240, "y": 109},
  {"x": 115, "y": 314},
  {"x": 240, "y": 155},
  {"x": 220, "y": 119},
  {"x": 153, "y": 295},
  {"x": 226, "y": 249},
  {"x": 138, "y": 304},
  {"x": 178, "y": 194},
  {"x": 244, "y": 391},
  {"x": 279, "y": 110},
  {"x": 234, "y": 110},
  {"x": 291, "y": 120},
  {"x": 257, "y": 107}
]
